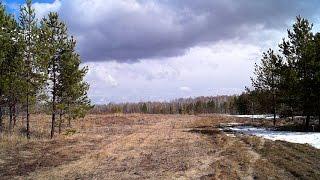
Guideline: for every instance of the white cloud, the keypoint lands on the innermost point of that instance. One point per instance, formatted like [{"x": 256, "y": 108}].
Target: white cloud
[
  {"x": 185, "y": 89},
  {"x": 42, "y": 9},
  {"x": 109, "y": 79},
  {"x": 100, "y": 78},
  {"x": 222, "y": 68},
  {"x": 131, "y": 30}
]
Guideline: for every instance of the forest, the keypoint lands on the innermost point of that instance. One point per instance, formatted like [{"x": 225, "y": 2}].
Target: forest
[
  {"x": 40, "y": 70},
  {"x": 251, "y": 102},
  {"x": 199, "y": 105}
]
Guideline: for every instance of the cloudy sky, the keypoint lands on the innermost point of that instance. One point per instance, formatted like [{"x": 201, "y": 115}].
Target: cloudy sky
[{"x": 139, "y": 50}]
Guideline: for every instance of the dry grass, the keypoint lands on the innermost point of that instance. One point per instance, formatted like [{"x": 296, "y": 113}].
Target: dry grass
[{"x": 151, "y": 147}]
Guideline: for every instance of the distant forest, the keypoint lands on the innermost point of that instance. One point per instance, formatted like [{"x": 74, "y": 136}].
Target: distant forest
[{"x": 243, "y": 104}]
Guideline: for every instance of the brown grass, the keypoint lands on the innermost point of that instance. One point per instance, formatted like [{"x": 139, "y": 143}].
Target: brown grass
[{"x": 151, "y": 147}]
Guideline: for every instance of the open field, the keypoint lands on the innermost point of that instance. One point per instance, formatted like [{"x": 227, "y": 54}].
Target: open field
[{"x": 152, "y": 147}]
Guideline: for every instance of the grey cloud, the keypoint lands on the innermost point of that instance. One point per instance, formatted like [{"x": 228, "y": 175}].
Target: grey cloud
[{"x": 127, "y": 31}]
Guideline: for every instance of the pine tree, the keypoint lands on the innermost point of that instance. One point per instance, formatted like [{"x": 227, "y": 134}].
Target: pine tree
[
  {"x": 54, "y": 36},
  {"x": 15, "y": 79},
  {"x": 10, "y": 69},
  {"x": 268, "y": 76},
  {"x": 210, "y": 106},
  {"x": 68, "y": 90},
  {"x": 5, "y": 41},
  {"x": 298, "y": 50},
  {"x": 72, "y": 90},
  {"x": 144, "y": 108},
  {"x": 33, "y": 72},
  {"x": 317, "y": 74}
]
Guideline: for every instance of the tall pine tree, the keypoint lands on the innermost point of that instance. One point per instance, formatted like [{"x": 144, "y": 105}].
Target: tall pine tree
[
  {"x": 268, "y": 76},
  {"x": 72, "y": 90},
  {"x": 298, "y": 50},
  {"x": 33, "y": 72},
  {"x": 68, "y": 90}
]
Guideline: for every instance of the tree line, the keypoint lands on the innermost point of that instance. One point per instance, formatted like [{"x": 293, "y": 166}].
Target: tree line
[
  {"x": 39, "y": 69},
  {"x": 198, "y": 105},
  {"x": 289, "y": 79}
]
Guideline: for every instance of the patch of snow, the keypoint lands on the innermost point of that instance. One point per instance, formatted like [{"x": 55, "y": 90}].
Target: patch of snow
[
  {"x": 230, "y": 135},
  {"x": 294, "y": 137},
  {"x": 230, "y": 124},
  {"x": 256, "y": 116}
]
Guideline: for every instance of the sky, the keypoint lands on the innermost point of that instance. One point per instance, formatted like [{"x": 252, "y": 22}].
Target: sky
[{"x": 159, "y": 50}]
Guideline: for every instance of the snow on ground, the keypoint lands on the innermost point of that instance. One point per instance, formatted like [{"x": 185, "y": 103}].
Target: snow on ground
[
  {"x": 230, "y": 124},
  {"x": 255, "y": 116},
  {"x": 295, "y": 137}
]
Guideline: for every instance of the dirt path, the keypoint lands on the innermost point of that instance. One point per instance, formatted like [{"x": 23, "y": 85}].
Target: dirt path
[
  {"x": 156, "y": 148},
  {"x": 144, "y": 147}
]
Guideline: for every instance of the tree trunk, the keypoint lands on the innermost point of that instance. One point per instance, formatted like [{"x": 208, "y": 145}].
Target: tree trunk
[
  {"x": 14, "y": 116},
  {"x": 60, "y": 122},
  {"x": 28, "y": 118},
  {"x": 69, "y": 116},
  {"x": 10, "y": 117},
  {"x": 307, "y": 122},
  {"x": 69, "y": 121},
  {"x": 274, "y": 119},
  {"x": 53, "y": 122},
  {"x": 274, "y": 109},
  {"x": 28, "y": 75},
  {"x": 53, "y": 99},
  {"x": 0, "y": 119},
  {"x": 53, "y": 113}
]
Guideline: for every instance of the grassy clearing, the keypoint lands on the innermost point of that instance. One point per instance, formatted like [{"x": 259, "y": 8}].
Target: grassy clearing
[{"x": 151, "y": 146}]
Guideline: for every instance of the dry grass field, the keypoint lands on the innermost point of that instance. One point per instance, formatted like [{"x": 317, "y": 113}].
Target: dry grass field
[{"x": 151, "y": 147}]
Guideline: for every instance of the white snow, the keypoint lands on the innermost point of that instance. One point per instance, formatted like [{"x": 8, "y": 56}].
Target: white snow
[
  {"x": 256, "y": 116},
  {"x": 230, "y": 124},
  {"x": 295, "y": 137}
]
